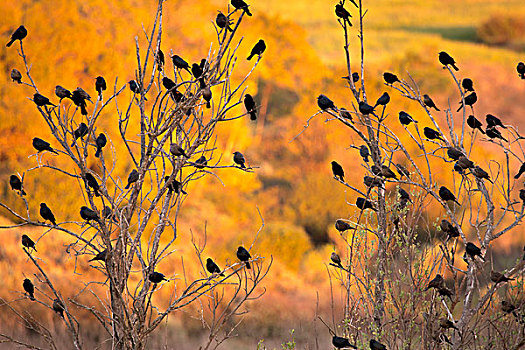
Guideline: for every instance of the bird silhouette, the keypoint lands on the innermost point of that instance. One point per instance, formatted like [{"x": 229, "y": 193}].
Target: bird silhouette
[
  {"x": 447, "y": 60},
  {"x": 19, "y": 34},
  {"x": 257, "y": 49}
]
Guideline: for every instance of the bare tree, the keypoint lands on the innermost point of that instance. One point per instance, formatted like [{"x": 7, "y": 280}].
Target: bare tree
[{"x": 168, "y": 129}]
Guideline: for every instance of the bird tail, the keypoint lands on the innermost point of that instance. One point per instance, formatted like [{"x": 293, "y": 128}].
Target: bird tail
[
  {"x": 481, "y": 130},
  {"x": 247, "y": 263},
  {"x": 13, "y": 40},
  {"x": 455, "y": 67},
  {"x": 97, "y": 153},
  {"x": 183, "y": 192},
  {"x": 22, "y": 192},
  {"x": 127, "y": 186},
  {"x": 32, "y": 297},
  {"x": 253, "y": 115},
  {"x": 522, "y": 75},
  {"x": 54, "y": 223},
  {"x": 52, "y": 150},
  {"x": 437, "y": 109},
  {"x": 73, "y": 143},
  {"x": 97, "y": 193},
  {"x": 250, "y": 57},
  {"x": 456, "y": 201},
  {"x": 459, "y": 109},
  {"x": 83, "y": 109},
  {"x": 208, "y": 104},
  {"x": 247, "y": 10},
  {"x": 184, "y": 68},
  {"x": 243, "y": 166}
]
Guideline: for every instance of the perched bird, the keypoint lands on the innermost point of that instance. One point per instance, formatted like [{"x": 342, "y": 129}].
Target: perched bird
[
  {"x": 432, "y": 134},
  {"x": 92, "y": 183},
  {"x": 336, "y": 259},
  {"x": 338, "y": 171},
  {"x": 79, "y": 132},
  {"x": 493, "y": 121},
  {"x": 521, "y": 70},
  {"x": 174, "y": 185},
  {"x": 446, "y": 195},
  {"x": 467, "y": 84},
  {"x": 507, "y": 307},
  {"x": 16, "y": 184},
  {"x": 498, "y": 277},
  {"x": 107, "y": 213},
  {"x": 376, "y": 170},
  {"x": 156, "y": 277},
  {"x": 370, "y": 181},
  {"x": 29, "y": 288},
  {"x": 470, "y": 99},
  {"x": 436, "y": 282},
  {"x": 134, "y": 86},
  {"x": 47, "y": 214},
  {"x": 446, "y": 60},
  {"x": 445, "y": 292},
  {"x": 168, "y": 83},
  {"x": 201, "y": 162},
  {"x": 244, "y": 255},
  {"x": 19, "y": 34},
  {"x": 100, "y": 85},
  {"x": 402, "y": 170},
  {"x": 465, "y": 163},
  {"x": 390, "y": 78},
  {"x": 472, "y": 250},
  {"x": 257, "y": 49},
  {"x": 364, "y": 152},
  {"x": 366, "y": 109},
  {"x": 101, "y": 256},
  {"x": 474, "y": 123},
  {"x": 342, "y": 343},
  {"x": 375, "y": 345},
  {"x": 79, "y": 100},
  {"x": 494, "y": 133},
  {"x": 58, "y": 307},
  {"x": 241, "y": 5},
  {"x": 342, "y": 226},
  {"x": 447, "y": 227},
  {"x": 180, "y": 63},
  {"x": 404, "y": 194},
  {"x": 429, "y": 102},
  {"x": 212, "y": 267},
  {"x": 238, "y": 158},
  {"x": 383, "y": 100},
  {"x": 405, "y": 118},
  {"x": 387, "y": 173},
  {"x": 88, "y": 214},
  {"x": 159, "y": 59},
  {"x": 325, "y": 103},
  {"x": 177, "y": 150},
  {"x": 132, "y": 178},
  {"x": 206, "y": 95},
  {"x": 16, "y": 76},
  {"x": 101, "y": 142},
  {"x": 223, "y": 22},
  {"x": 198, "y": 73},
  {"x": 355, "y": 77},
  {"x": 41, "y": 100},
  {"x": 521, "y": 171},
  {"x": 251, "y": 109},
  {"x": 343, "y": 13},
  {"x": 83, "y": 94},
  {"x": 454, "y": 153},
  {"x": 346, "y": 114},
  {"x": 445, "y": 323},
  {"x": 28, "y": 242},
  {"x": 480, "y": 173},
  {"x": 363, "y": 204},
  {"x": 62, "y": 92}
]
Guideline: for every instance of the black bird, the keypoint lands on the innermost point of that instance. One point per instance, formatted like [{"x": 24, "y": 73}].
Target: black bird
[
  {"x": 159, "y": 59},
  {"x": 101, "y": 256},
  {"x": 474, "y": 123},
  {"x": 405, "y": 118},
  {"x": 168, "y": 83},
  {"x": 47, "y": 214},
  {"x": 445, "y": 292},
  {"x": 355, "y": 77},
  {"x": 364, "y": 152},
  {"x": 19, "y": 34},
  {"x": 179, "y": 63},
  {"x": 376, "y": 170},
  {"x": 383, "y": 100},
  {"x": 201, "y": 162},
  {"x": 107, "y": 213},
  {"x": 507, "y": 307},
  {"x": 498, "y": 277},
  {"x": 494, "y": 133},
  {"x": 338, "y": 171},
  {"x": 446, "y": 60},
  {"x": 197, "y": 72},
  {"x": 445, "y": 323},
  {"x": 79, "y": 132},
  {"x": 62, "y": 92},
  {"x": 174, "y": 186},
  {"x": 342, "y": 226},
  {"x": 101, "y": 142},
  {"x": 480, "y": 173},
  {"x": 465, "y": 163},
  {"x": 404, "y": 194},
  {"x": 244, "y": 255},
  {"x": 212, "y": 267},
  {"x": 432, "y": 134},
  {"x": 16, "y": 75},
  {"x": 92, "y": 182},
  {"x": 375, "y": 345},
  {"x": 132, "y": 178},
  {"x": 522, "y": 197},
  {"x": 363, "y": 204},
  {"x": 366, "y": 109},
  {"x": 177, "y": 150},
  {"x": 370, "y": 181},
  {"x": 79, "y": 100},
  {"x": 454, "y": 153},
  {"x": 223, "y": 22},
  {"x": 206, "y": 95},
  {"x": 436, "y": 282},
  {"x": 345, "y": 114},
  {"x": 134, "y": 87},
  {"x": 467, "y": 84},
  {"x": 447, "y": 227},
  {"x": 29, "y": 288},
  {"x": 238, "y": 159},
  {"x": 427, "y": 100},
  {"x": 343, "y": 13},
  {"x": 28, "y": 242},
  {"x": 100, "y": 85},
  {"x": 88, "y": 214},
  {"x": 402, "y": 171},
  {"x": 325, "y": 103},
  {"x": 342, "y": 343},
  {"x": 470, "y": 99},
  {"x": 156, "y": 277},
  {"x": 41, "y": 100},
  {"x": 446, "y": 195},
  {"x": 521, "y": 70},
  {"x": 390, "y": 78},
  {"x": 257, "y": 49},
  {"x": 16, "y": 184},
  {"x": 251, "y": 109},
  {"x": 472, "y": 250},
  {"x": 493, "y": 121},
  {"x": 387, "y": 173},
  {"x": 521, "y": 171},
  {"x": 336, "y": 259},
  {"x": 241, "y": 5},
  {"x": 203, "y": 64},
  {"x": 83, "y": 94},
  {"x": 58, "y": 307}
]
